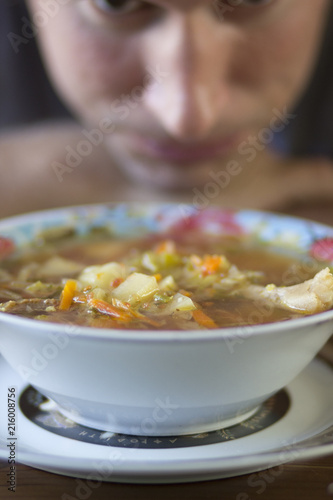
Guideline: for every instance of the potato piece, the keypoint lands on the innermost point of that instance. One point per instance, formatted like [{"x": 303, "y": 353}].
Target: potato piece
[
  {"x": 102, "y": 276},
  {"x": 102, "y": 294},
  {"x": 136, "y": 288},
  {"x": 167, "y": 284},
  {"x": 58, "y": 267}
]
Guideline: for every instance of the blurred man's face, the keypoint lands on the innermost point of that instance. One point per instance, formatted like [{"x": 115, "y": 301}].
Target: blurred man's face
[{"x": 176, "y": 86}]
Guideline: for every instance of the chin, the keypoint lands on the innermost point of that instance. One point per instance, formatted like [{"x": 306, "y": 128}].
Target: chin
[
  {"x": 165, "y": 176},
  {"x": 168, "y": 177}
]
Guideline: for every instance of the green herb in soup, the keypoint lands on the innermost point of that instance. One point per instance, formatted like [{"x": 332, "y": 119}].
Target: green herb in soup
[{"x": 182, "y": 282}]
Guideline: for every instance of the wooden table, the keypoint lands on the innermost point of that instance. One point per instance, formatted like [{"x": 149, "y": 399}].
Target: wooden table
[
  {"x": 297, "y": 481},
  {"x": 304, "y": 480}
]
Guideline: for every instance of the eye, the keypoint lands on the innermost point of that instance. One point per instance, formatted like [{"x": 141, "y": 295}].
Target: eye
[
  {"x": 250, "y": 3},
  {"x": 122, "y": 15},
  {"x": 119, "y": 7},
  {"x": 243, "y": 11}
]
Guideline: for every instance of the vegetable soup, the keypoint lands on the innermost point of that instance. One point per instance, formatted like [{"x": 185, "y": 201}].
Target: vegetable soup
[{"x": 171, "y": 281}]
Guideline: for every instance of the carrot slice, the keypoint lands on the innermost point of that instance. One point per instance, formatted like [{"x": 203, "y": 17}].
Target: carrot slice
[
  {"x": 80, "y": 298},
  {"x": 211, "y": 264},
  {"x": 202, "y": 319},
  {"x": 120, "y": 314},
  {"x": 105, "y": 308},
  {"x": 166, "y": 246},
  {"x": 67, "y": 295},
  {"x": 117, "y": 282}
]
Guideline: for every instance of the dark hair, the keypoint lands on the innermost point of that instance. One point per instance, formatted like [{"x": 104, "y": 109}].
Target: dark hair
[
  {"x": 26, "y": 94},
  {"x": 312, "y": 132}
]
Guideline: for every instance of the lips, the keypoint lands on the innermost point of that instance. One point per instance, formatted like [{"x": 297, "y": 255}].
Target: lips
[{"x": 176, "y": 152}]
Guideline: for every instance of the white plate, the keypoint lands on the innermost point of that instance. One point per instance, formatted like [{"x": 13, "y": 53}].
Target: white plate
[{"x": 305, "y": 431}]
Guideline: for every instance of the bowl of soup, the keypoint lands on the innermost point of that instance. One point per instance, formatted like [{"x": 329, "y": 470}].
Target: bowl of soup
[{"x": 157, "y": 320}]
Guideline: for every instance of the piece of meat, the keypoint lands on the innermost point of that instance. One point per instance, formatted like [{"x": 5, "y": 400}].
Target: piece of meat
[
  {"x": 313, "y": 296},
  {"x": 28, "y": 307}
]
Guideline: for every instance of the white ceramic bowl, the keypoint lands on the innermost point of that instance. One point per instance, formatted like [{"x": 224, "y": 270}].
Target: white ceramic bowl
[{"x": 166, "y": 382}]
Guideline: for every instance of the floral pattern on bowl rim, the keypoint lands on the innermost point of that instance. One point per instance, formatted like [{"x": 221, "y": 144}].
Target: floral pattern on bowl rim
[{"x": 310, "y": 238}]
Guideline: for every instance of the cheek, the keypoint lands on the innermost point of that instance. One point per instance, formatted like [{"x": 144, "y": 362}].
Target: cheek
[
  {"x": 88, "y": 67},
  {"x": 280, "y": 58}
]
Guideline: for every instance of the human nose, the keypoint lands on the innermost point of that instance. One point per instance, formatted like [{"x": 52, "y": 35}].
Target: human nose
[{"x": 194, "y": 57}]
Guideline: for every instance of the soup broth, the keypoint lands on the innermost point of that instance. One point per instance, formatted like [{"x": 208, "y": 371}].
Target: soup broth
[{"x": 169, "y": 282}]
